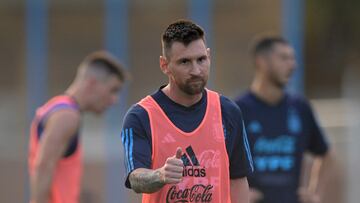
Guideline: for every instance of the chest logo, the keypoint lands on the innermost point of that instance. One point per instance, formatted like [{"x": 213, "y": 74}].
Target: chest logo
[
  {"x": 293, "y": 121},
  {"x": 192, "y": 166},
  {"x": 168, "y": 139},
  {"x": 254, "y": 127}
]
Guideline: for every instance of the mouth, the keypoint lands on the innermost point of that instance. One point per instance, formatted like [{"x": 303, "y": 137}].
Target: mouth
[{"x": 198, "y": 80}]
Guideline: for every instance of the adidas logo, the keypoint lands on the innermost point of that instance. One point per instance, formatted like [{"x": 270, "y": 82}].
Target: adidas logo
[
  {"x": 168, "y": 139},
  {"x": 192, "y": 166}
]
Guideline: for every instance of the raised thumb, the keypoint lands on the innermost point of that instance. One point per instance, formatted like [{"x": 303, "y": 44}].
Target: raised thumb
[{"x": 178, "y": 153}]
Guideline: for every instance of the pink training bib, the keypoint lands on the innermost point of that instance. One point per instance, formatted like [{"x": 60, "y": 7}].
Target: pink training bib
[
  {"x": 66, "y": 180},
  {"x": 206, "y": 163}
]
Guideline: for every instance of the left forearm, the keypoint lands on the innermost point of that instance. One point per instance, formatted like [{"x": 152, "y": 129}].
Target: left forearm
[
  {"x": 239, "y": 189},
  {"x": 320, "y": 172}
]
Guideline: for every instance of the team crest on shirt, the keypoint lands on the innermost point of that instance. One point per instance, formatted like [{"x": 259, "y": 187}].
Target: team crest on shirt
[
  {"x": 219, "y": 133},
  {"x": 254, "y": 127},
  {"x": 293, "y": 121}
]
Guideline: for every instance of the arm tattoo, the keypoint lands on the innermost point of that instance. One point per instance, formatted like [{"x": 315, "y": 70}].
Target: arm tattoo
[{"x": 145, "y": 180}]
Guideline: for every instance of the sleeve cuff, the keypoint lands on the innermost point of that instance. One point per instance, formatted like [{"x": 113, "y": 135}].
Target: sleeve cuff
[{"x": 241, "y": 174}]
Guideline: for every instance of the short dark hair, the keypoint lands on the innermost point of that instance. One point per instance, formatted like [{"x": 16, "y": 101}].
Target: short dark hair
[
  {"x": 183, "y": 31},
  {"x": 106, "y": 62},
  {"x": 266, "y": 44}
]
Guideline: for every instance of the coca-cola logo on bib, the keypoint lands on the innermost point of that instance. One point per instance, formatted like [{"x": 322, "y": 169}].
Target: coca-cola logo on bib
[
  {"x": 197, "y": 193},
  {"x": 210, "y": 158}
]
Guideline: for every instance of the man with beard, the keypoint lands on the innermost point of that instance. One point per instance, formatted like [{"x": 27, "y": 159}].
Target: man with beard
[
  {"x": 281, "y": 128},
  {"x": 185, "y": 143}
]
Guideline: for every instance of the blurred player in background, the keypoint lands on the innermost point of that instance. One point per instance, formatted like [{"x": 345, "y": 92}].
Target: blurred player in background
[
  {"x": 185, "y": 143},
  {"x": 55, "y": 161},
  {"x": 281, "y": 128}
]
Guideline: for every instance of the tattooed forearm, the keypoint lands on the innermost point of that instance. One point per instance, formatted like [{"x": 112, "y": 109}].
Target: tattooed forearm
[
  {"x": 149, "y": 181},
  {"x": 145, "y": 180}
]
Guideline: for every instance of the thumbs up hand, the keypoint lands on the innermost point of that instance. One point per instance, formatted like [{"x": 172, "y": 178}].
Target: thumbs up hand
[{"x": 171, "y": 172}]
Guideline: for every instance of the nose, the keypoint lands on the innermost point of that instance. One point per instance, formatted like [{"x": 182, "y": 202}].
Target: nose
[{"x": 196, "y": 69}]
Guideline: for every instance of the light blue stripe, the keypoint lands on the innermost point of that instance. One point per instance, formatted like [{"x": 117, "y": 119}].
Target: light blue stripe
[
  {"x": 127, "y": 140},
  {"x": 131, "y": 150},
  {"x": 123, "y": 137},
  {"x": 247, "y": 147},
  {"x": 126, "y": 146}
]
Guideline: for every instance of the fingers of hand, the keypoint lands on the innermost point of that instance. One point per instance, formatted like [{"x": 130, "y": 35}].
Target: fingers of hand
[
  {"x": 172, "y": 175},
  {"x": 173, "y": 170},
  {"x": 172, "y": 180},
  {"x": 174, "y": 162}
]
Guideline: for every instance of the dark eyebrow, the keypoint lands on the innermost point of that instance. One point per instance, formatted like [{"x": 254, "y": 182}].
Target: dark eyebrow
[{"x": 182, "y": 59}]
